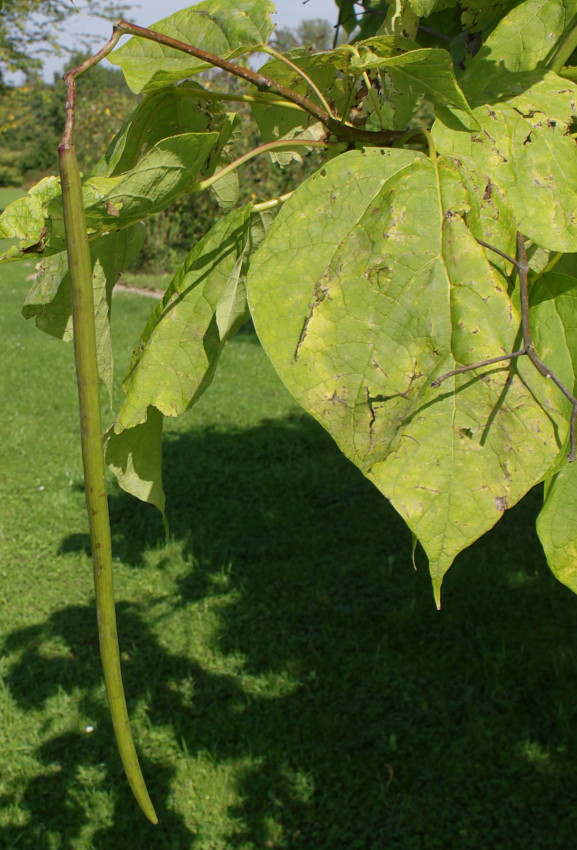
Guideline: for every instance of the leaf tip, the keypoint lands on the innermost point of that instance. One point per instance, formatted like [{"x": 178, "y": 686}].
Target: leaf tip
[
  {"x": 437, "y": 583},
  {"x": 414, "y": 542},
  {"x": 166, "y": 528}
]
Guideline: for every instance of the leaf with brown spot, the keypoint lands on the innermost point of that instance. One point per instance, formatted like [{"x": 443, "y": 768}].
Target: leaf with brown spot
[{"x": 408, "y": 294}]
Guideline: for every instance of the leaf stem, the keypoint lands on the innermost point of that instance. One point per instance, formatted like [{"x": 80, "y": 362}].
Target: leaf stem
[
  {"x": 418, "y": 131},
  {"x": 270, "y": 51},
  {"x": 431, "y": 144},
  {"x": 274, "y": 202},
  {"x": 564, "y": 50},
  {"x": 263, "y": 83},
  {"x": 374, "y": 99},
  {"x": 350, "y": 98},
  {"x": 370, "y": 88},
  {"x": 406, "y": 137},
  {"x": 207, "y": 94},
  {"x": 85, "y": 354},
  {"x": 268, "y": 146}
]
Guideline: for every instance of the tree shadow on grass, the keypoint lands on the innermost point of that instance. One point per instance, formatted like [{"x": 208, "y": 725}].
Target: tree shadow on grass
[
  {"x": 357, "y": 716},
  {"x": 80, "y": 761}
]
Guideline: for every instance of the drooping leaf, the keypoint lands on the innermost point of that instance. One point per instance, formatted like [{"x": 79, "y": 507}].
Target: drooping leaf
[
  {"x": 553, "y": 311},
  {"x": 175, "y": 360},
  {"x": 23, "y": 231},
  {"x": 48, "y": 300},
  {"x": 170, "y": 169},
  {"x": 135, "y": 458},
  {"x": 368, "y": 286},
  {"x": 181, "y": 340},
  {"x": 227, "y": 28},
  {"x": 524, "y": 147},
  {"x": 166, "y": 112},
  {"x": 34, "y": 225}
]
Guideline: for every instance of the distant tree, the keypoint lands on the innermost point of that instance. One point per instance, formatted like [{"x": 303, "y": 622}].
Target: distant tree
[
  {"x": 316, "y": 33},
  {"x": 32, "y": 121},
  {"x": 28, "y": 29}
]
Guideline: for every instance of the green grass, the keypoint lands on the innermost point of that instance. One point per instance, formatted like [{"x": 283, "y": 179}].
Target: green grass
[
  {"x": 9, "y": 194},
  {"x": 291, "y": 683},
  {"x": 146, "y": 281}
]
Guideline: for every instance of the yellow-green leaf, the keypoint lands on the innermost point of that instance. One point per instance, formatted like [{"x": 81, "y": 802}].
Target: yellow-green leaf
[
  {"x": 227, "y": 28},
  {"x": 524, "y": 147},
  {"x": 368, "y": 286}
]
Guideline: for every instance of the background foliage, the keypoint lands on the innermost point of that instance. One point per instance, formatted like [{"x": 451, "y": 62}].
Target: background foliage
[
  {"x": 32, "y": 121},
  {"x": 29, "y": 30}
]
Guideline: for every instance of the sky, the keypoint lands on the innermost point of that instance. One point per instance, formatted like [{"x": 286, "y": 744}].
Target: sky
[{"x": 289, "y": 14}]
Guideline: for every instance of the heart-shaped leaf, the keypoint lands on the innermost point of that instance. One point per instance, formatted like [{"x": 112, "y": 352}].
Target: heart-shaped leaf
[{"x": 368, "y": 286}]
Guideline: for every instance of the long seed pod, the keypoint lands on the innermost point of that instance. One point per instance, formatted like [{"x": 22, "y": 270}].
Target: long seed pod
[{"x": 80, "y": 269}]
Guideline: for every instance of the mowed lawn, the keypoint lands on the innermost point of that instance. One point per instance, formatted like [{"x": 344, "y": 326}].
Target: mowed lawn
[
  {"x": 8, "y": 194},
  {"x": 290, "y": 681}
]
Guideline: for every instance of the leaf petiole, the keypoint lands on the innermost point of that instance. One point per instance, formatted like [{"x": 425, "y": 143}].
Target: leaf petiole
[
  {"x": 281, "y": 58},
  {"x": 274, "y": 202},
  {"x": 265, "y": 84},
  {"x": 564, "y": 50},
  {"x": 374, "y": 99},
  {"x": 268, "y": 146},
  {"x": 206, "y": 94}
]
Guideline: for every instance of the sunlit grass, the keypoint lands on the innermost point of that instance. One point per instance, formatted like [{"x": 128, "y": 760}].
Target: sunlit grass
[{"x": 9, "y": 194}]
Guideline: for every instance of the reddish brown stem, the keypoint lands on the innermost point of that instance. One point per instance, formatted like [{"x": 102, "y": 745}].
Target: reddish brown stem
[{"x": 344, "y": 132}]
